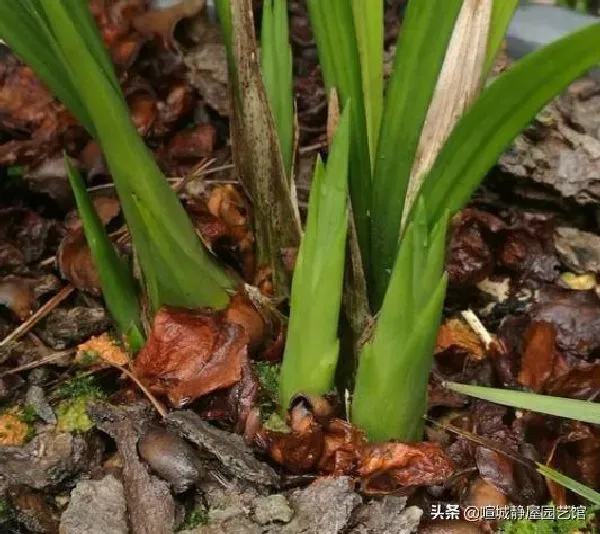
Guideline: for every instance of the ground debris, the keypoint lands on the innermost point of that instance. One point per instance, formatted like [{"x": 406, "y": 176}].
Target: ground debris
[
  {"x": 49, "y": 458},
  {"x": 561, "y": 149},
  {"x": 32, "y": 510},
  {"x": 66, "y": 327},
  {"x": 234, "y": 456},
  {"x": 149, "y": 501},
  {"x": 96, "y": 507},
  {"x": 578, "y": 250}
]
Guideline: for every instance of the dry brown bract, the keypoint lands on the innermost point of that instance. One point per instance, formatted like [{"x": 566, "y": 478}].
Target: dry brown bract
[{"x": 333, "y": 446}]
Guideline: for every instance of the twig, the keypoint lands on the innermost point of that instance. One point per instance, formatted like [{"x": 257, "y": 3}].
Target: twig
[
  {"x": 42, "y": 361},
  {"x": 155, "y": 402},
  {"x": 477, "y": 327},
  {"x": 484, "y": 442},
  {"x": 38, "y": 315}
]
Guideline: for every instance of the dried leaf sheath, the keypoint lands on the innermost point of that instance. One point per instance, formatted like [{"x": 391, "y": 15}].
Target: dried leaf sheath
[{"x": 255, "y": 146}]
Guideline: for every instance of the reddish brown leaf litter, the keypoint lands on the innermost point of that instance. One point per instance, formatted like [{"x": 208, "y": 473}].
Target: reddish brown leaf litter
[
  {"x": 17, "y": 294},
  {"x": 191, "y": 353},
  {"x": 222, "y": 219},
  {"x": 76, "y": 264},
  {"x": 329, "y": 445},
  {"x": 455, "y": 335},
  {"x": 538, "y": 358}
]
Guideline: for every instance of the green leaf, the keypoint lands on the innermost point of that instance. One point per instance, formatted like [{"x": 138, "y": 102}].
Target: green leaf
[
  {"x": 118, "y": 286},
  {"x": 580, "y": 410},
  {"x": 426, "y": 31},
  {"x": 276, "y": 66},
  {"x": 63, "y": 46},
  {"x": 312, "y": 345},
  {"x": 391, "y": 383},
  {"x": 340, "y": 58},
  {"x": 368, "y": 22},
  {"x": 502, "y": 13},
  {"x": 576, "y": 487},
  {"x": 503, "y": 110}
]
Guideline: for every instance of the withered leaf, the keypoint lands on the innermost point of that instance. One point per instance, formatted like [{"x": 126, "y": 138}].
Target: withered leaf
[
  {"x": 76, "y": 264},
  {"x": 387, "y": 467},
  {"x": 257, "y": 154},
  {"x": 455, "y": 334},
  {"x": 538, "y": 357},
  {"x": 17, "y": 294},
  {"x": 191, "y": 353},
  {"x": 162, "y": 22},
  {"x": 193, "y": 143}
]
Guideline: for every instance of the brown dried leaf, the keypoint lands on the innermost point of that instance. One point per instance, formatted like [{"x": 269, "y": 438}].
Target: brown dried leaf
[
  {"x": 470, "y": 258},
  {"x": 76, "y": 264},
  {"x": 538, "y": 358},
  {"x": 388, "y": 467},
  {"x": 224, "y": 226},
  {"x": 17, "y": 294},
  {"x": 144, "y": 111},
  {"x": 454, "y": 334},
  {"x": 103, "y": 347},
  {"x": 576, "y": 317},
  {"x": 162, "y": 22},
  {"x": 334, "y": 446},
  {"x": 192, "y": 143},
  {"x": 190, "y": 354},
  {"x": 580, "y": 382}
]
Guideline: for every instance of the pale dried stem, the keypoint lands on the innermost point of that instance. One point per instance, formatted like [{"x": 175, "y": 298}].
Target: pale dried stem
[
  {"x": 458, "y": 85},
  {"x": 57, "y": 356}
]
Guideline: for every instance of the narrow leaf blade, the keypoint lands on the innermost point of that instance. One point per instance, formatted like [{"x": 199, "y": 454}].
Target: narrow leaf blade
[
  {"x": 118, "y": 286},
  {"x": 418, "y": 61},
  {"x": 580, "y": 410}
]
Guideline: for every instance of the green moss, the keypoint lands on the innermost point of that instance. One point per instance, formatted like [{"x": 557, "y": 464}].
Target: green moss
[
  {"x": 72, "y": 415},
  {"x": 268, "y": 375},
  {"x": 71, "y": 411},
  {"x": 565, "y": 526},
  {"x": 29, "y": 415},
  {"x": 4, "y": 511},
  {"x": 89, "y": 357},
  {"x": 80, "y": 386},
  {"x": 276, "y": 424},
  {"x": 196, "y": 517}
]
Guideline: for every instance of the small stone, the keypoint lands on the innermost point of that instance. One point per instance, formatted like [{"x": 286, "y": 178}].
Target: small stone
[
  {"x": 578, "y": 250},
  {"x": 325, "y": 506},
  {"x": 36, "y": 398},
  {"x": 388, "y": 515},
  {"x": 172, "y": 458},
  {"x": 271, "y": 509},
  {"x": 48, "y": 459},
  {"x": 96, "y": 507}
]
